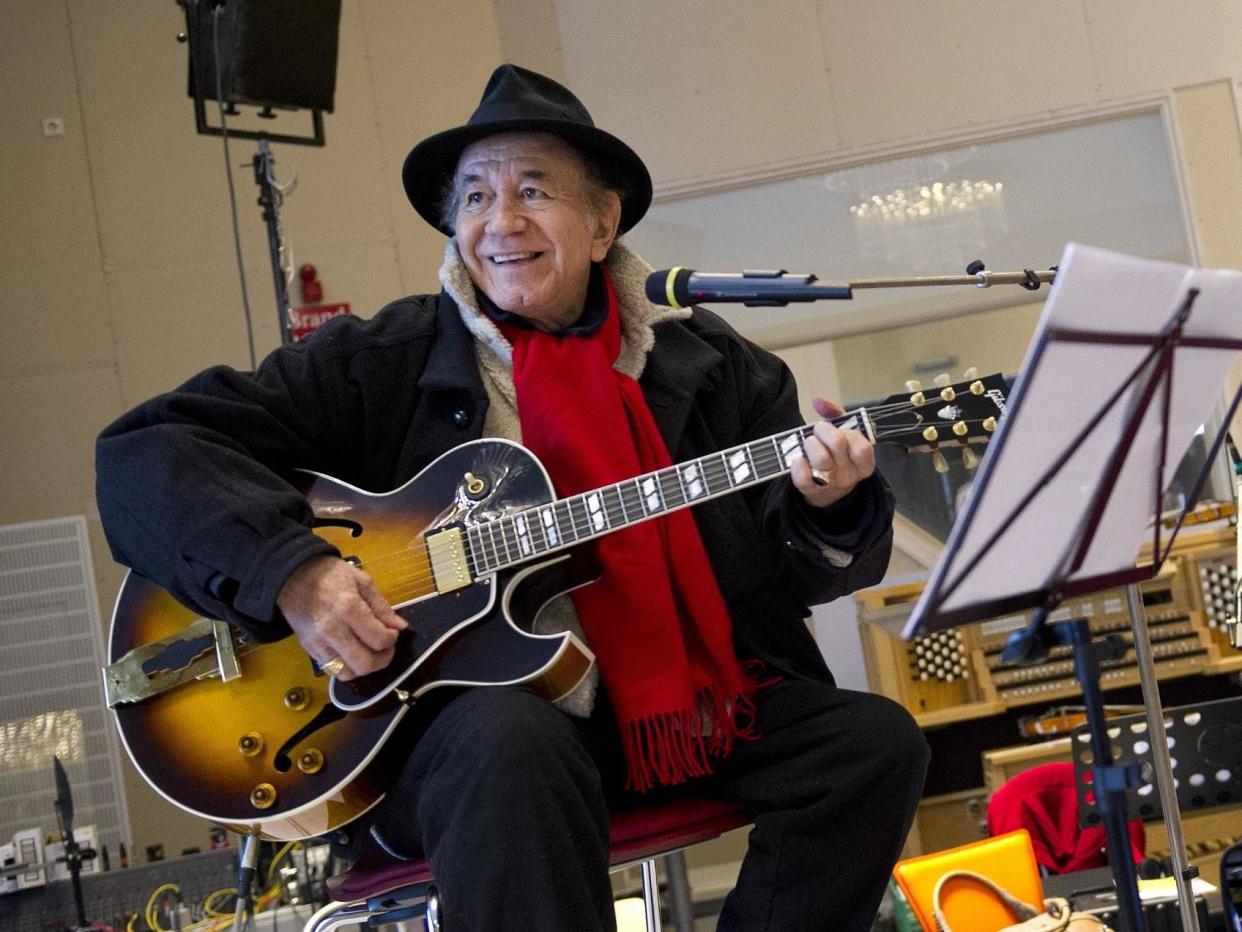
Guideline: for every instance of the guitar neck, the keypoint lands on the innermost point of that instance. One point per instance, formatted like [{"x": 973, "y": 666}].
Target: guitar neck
[{"x": 516, "y": 538}]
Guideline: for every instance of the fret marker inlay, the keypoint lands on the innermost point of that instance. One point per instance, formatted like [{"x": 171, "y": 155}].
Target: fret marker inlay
[
  {"x": 694, "y": 485},
  {"x": 740, "y": 467},
  {"x": 651, "y": 495},
  {"x": 596, "y": 507},
  {"x": 791, "y": 449},
  {"x": 523, "y": 533},
  {"x": 549, "y": 526}
]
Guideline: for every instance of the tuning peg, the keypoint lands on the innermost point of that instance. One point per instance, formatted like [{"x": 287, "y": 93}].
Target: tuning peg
[
  {"x": 930, "y": 434},
  {"x": 976, "y": 387},
  {"x": 989, "y": 424},
  {"x": 914, "y": 385},
  {"x": 947, "y": 393},
  {"x": 969, "y": 459},
  {"x": 960, "y": 428},
  {"x": 942, "y": 380},
  {"x": 971, "y": 373},
  {"x": 939, "y": 463}
]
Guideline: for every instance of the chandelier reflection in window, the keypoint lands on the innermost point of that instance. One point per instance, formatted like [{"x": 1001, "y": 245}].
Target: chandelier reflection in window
[{"x": 924, "y": 214}]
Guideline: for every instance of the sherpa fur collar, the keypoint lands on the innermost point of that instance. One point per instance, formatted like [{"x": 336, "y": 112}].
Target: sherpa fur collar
[{"x": 629, "y": 279}]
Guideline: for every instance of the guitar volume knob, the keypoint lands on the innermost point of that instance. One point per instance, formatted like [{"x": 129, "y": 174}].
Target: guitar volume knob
[
  {"x": 263, "y": 796},
  {"x": 250, "y": 744},
  {"x": 297, "y": 698},
  {"x": 310, "y": 760}
]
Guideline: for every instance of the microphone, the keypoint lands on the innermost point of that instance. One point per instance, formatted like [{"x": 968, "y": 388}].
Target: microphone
[{"x": 678, "y": 287}]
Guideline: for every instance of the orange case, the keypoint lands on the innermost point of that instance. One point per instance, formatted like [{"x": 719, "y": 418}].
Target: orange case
[{"x": 1008, "y": 860}]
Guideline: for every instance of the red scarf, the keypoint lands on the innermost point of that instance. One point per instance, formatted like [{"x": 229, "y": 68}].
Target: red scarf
[{"x": 655, "y": 619}]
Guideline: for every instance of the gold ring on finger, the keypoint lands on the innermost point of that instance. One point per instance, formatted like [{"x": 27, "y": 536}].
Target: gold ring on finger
[{"x": 333, "y": 667}]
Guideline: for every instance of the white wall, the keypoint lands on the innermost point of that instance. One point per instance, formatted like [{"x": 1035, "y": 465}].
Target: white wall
[{"x": 713, "y": 91}]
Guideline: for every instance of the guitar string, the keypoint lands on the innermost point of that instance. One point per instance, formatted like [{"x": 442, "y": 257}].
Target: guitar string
[
  {"x": 418, "y": 583},
  {"x": 881, "y": 435},
  {"x": 511, "y": 544},
  {"x": 415, "y": 582},
  {"x": 412, "y": 584}
]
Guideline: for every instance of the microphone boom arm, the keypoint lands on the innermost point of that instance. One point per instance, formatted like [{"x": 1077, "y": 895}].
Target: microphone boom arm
[{"x": 682, "y": 287}]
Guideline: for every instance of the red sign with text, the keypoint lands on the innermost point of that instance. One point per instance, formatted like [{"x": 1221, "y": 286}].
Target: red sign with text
[{"x": 307, "y": 319}]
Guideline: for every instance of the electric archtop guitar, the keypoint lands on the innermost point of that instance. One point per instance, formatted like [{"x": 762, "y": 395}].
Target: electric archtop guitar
[{"x": 253, "y": 736}]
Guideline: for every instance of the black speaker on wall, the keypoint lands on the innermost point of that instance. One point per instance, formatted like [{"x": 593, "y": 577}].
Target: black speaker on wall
[{"x": 272, "y": 54}]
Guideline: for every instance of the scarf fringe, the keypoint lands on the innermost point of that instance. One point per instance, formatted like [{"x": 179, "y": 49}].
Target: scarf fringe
[{"x": 669, "y": 748}]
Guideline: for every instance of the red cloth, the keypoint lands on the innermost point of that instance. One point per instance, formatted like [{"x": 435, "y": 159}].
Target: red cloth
[
  {"x": 655, "y": 619},
  {"x": 1043, "y": 801}
]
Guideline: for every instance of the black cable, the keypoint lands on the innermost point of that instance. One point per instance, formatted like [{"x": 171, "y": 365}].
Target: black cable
[{"x": 228, "y": 171}]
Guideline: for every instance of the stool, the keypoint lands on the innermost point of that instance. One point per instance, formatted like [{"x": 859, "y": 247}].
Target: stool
[{"x": 399, "y": 890}]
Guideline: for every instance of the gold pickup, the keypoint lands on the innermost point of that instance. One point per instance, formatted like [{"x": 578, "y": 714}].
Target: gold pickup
[{"x": 448, "y": 560}]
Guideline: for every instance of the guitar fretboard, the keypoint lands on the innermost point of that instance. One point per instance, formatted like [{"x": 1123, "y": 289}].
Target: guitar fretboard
[{"x": 533, "y": 532}]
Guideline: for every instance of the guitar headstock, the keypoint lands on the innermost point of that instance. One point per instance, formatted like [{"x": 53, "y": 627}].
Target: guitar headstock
[{"x": 946, "y": 415}]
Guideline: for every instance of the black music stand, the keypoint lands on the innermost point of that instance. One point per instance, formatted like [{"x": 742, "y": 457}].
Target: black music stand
[{"x": 1091, "y": 437}]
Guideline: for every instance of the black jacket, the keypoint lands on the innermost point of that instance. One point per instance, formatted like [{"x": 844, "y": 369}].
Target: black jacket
[{"x": 192, "y": 492}]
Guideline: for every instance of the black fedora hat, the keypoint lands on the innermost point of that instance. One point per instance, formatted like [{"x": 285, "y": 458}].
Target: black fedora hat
[{"x": 518, "y": 100}]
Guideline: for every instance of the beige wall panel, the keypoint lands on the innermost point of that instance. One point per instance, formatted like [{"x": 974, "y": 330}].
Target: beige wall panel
[
  {"x": 55, "y": 313},
  {"x": 906, "y": 68},
  {"x": 814, "y": 368},
  {"x": 52, "y": 301},
  {"x": 420, "y": 258},
  {"x": 1211, "y": 148},
  {"x": 159, "y": 188},
  {"x": 529, "y": 36},
  {"x": 1146, "y": 45},
  {"x": 1211, "y": 151},
  {"x": 173, "y": 321},
  {"x": 50, "y": 423},
  {"x": 702, "y": 88},
  {"x": 420, "y": 88}
]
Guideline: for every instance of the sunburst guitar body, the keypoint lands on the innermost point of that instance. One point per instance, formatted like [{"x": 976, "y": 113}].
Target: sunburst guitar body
[{"x": 246, "y": 734}]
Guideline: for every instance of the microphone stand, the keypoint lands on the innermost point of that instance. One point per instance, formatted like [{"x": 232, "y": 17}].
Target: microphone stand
[{"x": 975, "y": 275}]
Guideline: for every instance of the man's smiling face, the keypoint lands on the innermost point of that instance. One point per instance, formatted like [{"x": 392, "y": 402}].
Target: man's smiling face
[{"x": 528, "y": 227}]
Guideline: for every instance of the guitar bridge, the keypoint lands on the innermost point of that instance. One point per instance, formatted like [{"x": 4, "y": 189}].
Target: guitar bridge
[{"x": 198, "y": 651}]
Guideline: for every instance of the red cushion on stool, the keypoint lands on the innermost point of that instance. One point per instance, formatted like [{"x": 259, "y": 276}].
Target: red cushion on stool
[
  {"x": 635, "y": 834},
  {"x": 638, "y": 834}
]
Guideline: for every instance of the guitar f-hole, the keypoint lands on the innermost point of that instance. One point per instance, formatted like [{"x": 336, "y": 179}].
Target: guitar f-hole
[
  {"x": 354, "y": 528},
  {"x": 325, "y": 716}
]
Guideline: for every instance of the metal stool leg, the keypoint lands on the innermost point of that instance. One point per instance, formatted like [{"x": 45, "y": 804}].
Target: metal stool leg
[
  {"x": 680, "y": 902},
  {"x": 431, "y": 919},
  {"x": 651, "y": 895}
]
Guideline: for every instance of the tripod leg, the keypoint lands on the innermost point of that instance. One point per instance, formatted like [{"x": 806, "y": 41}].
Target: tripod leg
[
  {"x": 1110, "y": 780},
  {"x": 1182, "y": 870},
  {"x": 245, "y": 879}
]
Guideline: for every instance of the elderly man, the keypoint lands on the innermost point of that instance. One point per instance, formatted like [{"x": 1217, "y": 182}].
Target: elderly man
[{"x": 707, "y": 678}]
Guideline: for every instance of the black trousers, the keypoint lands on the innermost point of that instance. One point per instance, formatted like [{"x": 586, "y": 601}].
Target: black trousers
[{"x": 509, "y": 798}]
